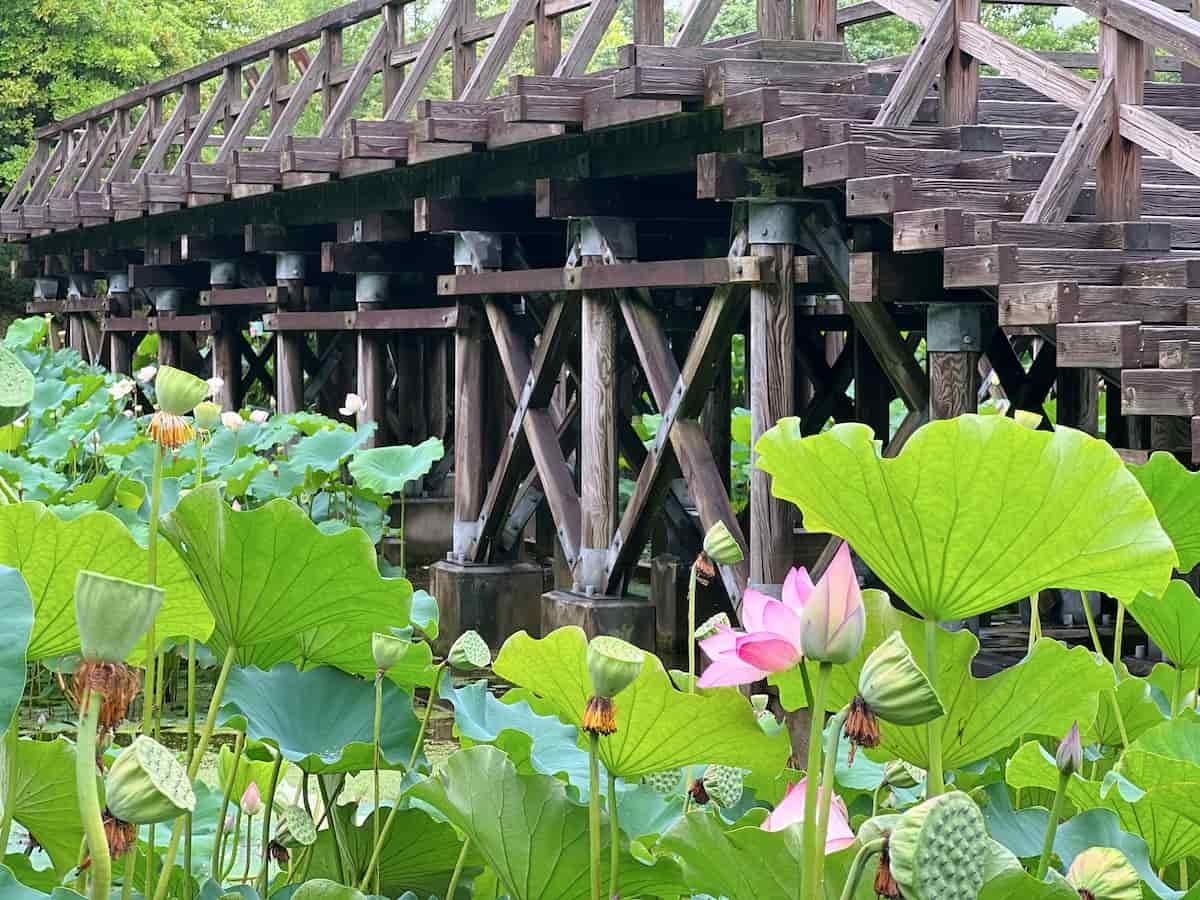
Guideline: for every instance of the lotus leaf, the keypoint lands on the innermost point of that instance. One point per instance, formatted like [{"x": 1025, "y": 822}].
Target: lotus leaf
[
  {"x": 386, "y": 470},
  {"x": 1175, "y": 492},
  {"x": 16, "y": 625},
  {"x": 12, "y": 889},
  {"x": 1172, "y": 621},
  {"x": 45, "y": 802}
]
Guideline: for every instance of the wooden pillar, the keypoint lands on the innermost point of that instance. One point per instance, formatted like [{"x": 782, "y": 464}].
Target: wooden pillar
[
  {"x": 470, "y": 481},
  {"x": 648, "y": 22},
  {"x": 953, "y": 341},
  {"x": 372, "y": 383},
  {"x": 463, "y": 59},
  {"x": 716, "y": 417},
  {"x": 227, "y": 361},
  {"x": 437, "y": 395},
  {"x": 960, "y": 76},
  {"x": 774, "y": 18},
  {"x": 168, "y": 345},
  {"x": 772, "y": 356},
  {"x": 1079, "y": 399},
  {"x": 393, "y": 76},
  {"x": 598, "y": 435},
  {"x": 1119, "y": 169},
  {"x": 872, "y": 390},
  {"x": 281, "y": 68},
  {"x": 331, "y": 38},
  {"x": 547, "y": 36},
  {"x": 289, "y": 345}
]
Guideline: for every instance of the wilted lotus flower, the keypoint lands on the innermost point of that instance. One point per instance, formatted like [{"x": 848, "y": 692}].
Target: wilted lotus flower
[
  {"x": 259, "y": 416},
  {"x": 1069, "y": 758},
  {"x": 231, "y": 420},
  {"x": 353, "y": 405},
  {"x": 146, "y": 374},
  {"x": 900, "y": 774},
  {"x": 890, "y": 687},
  {"x": 469, "y": 652},
  {"x": 207, "y": 415},
  {"x": 770, "y": 641},
  {"x": 790, "y": 811},
  {"x": 176, "y": 393},
  {"x": 613, "y": 665},
  {"x": 388, "y": 649},
  {"x": 833, "y": 620},
  {"x": 1103, "y": 873},
  {"x": 720, "y": 546},
  {"x": 147, "y": 785},
  {"x": 252, "y": 800}
]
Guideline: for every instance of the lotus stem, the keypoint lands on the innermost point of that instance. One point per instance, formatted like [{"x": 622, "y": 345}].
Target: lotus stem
[
  {"x": 152, "y": 578},
  {"x": 1052, "y": 826},
  {"x": 210, "y": 722},
  {"x": 1118, "y": 639},
  {"x": 403, "y": 538},
  {"x": 854, "y": 876},
  {"x": 934, "y": 783},
  {"x": 1177, "y": 693},
  {"x": 10, "y": 779},
  {"x": 191, "y": 748},
  {"x": 1035, "y": 622},
  {"x": 458, "y": 867},
  {"x": 341, "y": 851},
  {"x": 433, "y": 691},
  {"x": 81, "y": 872},
  {"x": 218, "y": 855},
  {"x": 825, "y": 794},
  {"x": 249, "y": 832},
  {"x": 237, "y": 836},
  {"x": 268, "y": 807},
  {"x": 378, "y": 717},
  {"x": 691, "y": 633},
  {"x": 614, "y": 832},
  {"x": 816, "y": 722},
  {"x": 89, "y": 797},
  {"x": 127, "y": 875},
  {"x": 594, "y": 810},
  {"x": 1091, "y": 624}
]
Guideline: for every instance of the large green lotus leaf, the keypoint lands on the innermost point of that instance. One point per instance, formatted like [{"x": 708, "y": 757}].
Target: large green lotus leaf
[
  {"x": 1154, "y": 814},
  {"x": 269, "y": 573},
  {"x": 1015, "y": 885},
  {"x": 325, "y": 450},
  {"x": 658, "y": 726},
  {"x": 975, "y": 512},
  {"x": 45, "y": 802},
  {"x": 322, "y": 719},
  {"x": 1044, "y": 693},
  {"x": 386, "y": 470},
  {"x": 1177, "y": 740},
  {"x": 50, "y": 552},
  {"x": 16, "y": 625},
  {"x": 529, "y": 831},
  {"x": 738, "y": 860},
  {"x": 419, "y": 854},
  {"x": 1141, "y": 710},
  {"x": 1172, "y": 620},
  {"x": 11, "y": 889},
  {"x": 1175, "y": 493}
]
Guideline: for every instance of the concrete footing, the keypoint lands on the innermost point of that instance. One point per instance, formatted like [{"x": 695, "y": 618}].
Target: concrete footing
[
  {"x": 629, "y": 618},
  {"x": 494, "y": 600}
]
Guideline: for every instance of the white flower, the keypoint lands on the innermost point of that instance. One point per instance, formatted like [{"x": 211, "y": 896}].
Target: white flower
[
  {"x": 231, "y": 420},
  {"x": 237, "y": 507},
  {"x": 127, "y": 413},
  {"x": 259, "y": 416},
  {"x": 121, "y": 389},
  {"x": 214, "y": 385},
  {"x": 146, "y": 374},
  {"x": 354, "y": 405}
]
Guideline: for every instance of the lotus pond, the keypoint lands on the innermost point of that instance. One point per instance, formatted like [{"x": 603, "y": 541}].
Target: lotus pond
[{"x": 216, "y": 687}]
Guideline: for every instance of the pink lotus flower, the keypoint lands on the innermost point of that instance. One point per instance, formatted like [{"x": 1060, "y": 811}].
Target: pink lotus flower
[
  {"x": 834, "y": 620},
  {"x": 770, "y": 641},
  {"x": 252, "y": 800},
  {"x": 790, "y": 811}
]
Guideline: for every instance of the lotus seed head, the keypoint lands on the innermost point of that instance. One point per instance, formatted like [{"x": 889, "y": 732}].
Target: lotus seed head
[
  {"x": 938, "y": 849},
  {"x": 613, "y": 665},
  {"x": 470, "y": 651}
]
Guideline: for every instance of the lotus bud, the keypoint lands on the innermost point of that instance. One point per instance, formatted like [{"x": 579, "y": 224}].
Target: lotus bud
[
  {"x": 937, "y": 850},
  {"x": 207, "y": 415},
  {"x": 890, "y": 687},
  {"x": 388, "y": 650},
  {"x": 232, "y": 420},
  {"x": 666, "y": 783},
  {"x": 295, "y": 827},
  {"x": 711, "y": 626},
  {"x": 147, "y": 785},
  {"x": 112, "y": 614},
  {"x": 1103, "y": 873},
  {"x": 469, "y": 652},
  {"x": 721, "y": 547},
  {"x": 177, "y": 391},
  {"x": 759, "y": 703},
  {"x": 724, "y": 785},
  {"x": 252, "y": 800},
  {"x": 1069, "y": 758},
  {"x": 260, "y": 416},
  {"x": 613, "y": 665},
  {"x": 833, "y": 620},
  {"x": 903, "y": 775}
]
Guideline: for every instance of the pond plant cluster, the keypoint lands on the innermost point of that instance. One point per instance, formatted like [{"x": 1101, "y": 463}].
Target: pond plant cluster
[{"x": 143, "y": 527}]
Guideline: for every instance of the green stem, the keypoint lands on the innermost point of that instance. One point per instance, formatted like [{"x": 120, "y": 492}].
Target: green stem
[
  {"x": 1052, "y": 826},
  {"x": 237, "y": 836},
  {"x": 128, "y": 873},
  {"x": 691, "y": 634},
  {"x": 854, "y": 876},
  {"x": 378, "y": 718},
  {"x": 594, "y": 811},
  {"x": 458, "y": 867},
  {"x": 89, "y": 797},
  {"x": 148, "y": 694},
  {"x": 934, "y": 783},
  {"x": 329, "y": 800},
  {"x": 10, "y": 780},
  {"x": 249, "y": 832},
  {"x": 1177, "y": 693},
  {"x": 1035, "y": 622},
  {"x": 437, "y": 681},
  {"x": 1118, "y": 639},
  {"x": 816, "y": 723},
  {"x": 403, "y": 534},
  {"x": 826, "y": 795},
  {"x": 217, "y": 861},
  {"x": 191, "y": 749},
  {"x": 210, "y": 722},
  {"x": 614, "y": 836},
  {"x": 268, "y": 807},
  {"x": 1091, "y": 624}
]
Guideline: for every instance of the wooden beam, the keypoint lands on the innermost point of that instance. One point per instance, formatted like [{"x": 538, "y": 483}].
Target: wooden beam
[
  {"x": 960, "y": 76},
  {"x": 923, "y": 65},
  {"x": 422, "y": 68},
  {"x": 198, "y": 139},
  {"x": 246, "y": 119},
  {"x": 587, "y": 38},
  {"x": 1119, "y": 167},
  {"x": 499, "y": 48},
  {"x": 166, "y": 138},
  {"x": 282, "y": 127},
  {"x": 352, "y": 91},
  {"x": 696, "y": 22}
]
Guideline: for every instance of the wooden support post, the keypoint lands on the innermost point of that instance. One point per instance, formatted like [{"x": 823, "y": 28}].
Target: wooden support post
[
  {"x": 437, "y": 394},
  {"x": 227, "y": 361},
  {"x": 463, "y": 61},
  {"x": 772, "y": 356},
  {"x": 953, "y": 340},
  {"x": 281, "y": 72},
  {"x": 775, "y": 19},
  {"x": 648, "y": 22},
  {"x": 1079, "y": 399},
  {"x": 371, "y": 385},
  {"x": 393, "y": 76},
  {"x": 716, "y": 416},
  {"x": 872, "y": 390},
  {"x": 960, "y": 78},
  {"x": 1119, "y": 170},
  {"x": 290, "y": 345},
  {"x": 547, "y": 36},
  {"x": 331, "y": 42}
]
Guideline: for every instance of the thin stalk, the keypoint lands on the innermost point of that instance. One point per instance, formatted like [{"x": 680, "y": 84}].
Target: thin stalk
[
  {"x": 403, "y": 535},
  {"x": 129, "y": 872},
  {"x": 594, "y": 811},
  {"x": 614, "y": 837},
  {"x": 237, "y": 836},
  {"x": 10, "y": 779},
  {"x": 191, "y": 748},
  {"x": 1183, "y": 875},
  {"x": 854, "y": 876},
  {"x": 378, "y": 718},
  {"x": 1052, "y": 826},
  {"x": 806, "y": 682},
  {"x": 266, "y": 828},
  {"x": 1035, "y": 623},
  {"x": 89, "y": 797},
  {"x": 249, "y": 832},
  {"x": 934, "y": 783},
  {"x": 160, "y": 689},
  {"x": 1177, "y": 693},
  {"x": 437, "y": 681},
  {"x": 1091, "y": 624},
  {"x": 458, "y": 867},
  {"x": 875, "y": 799},
  {"x": 825, "y": 796},
  {"x": 238, "y": 746},
  {"x": 691, "y": 633},
  {"x": 148, "y": 694},
  {"x": 817, "y": 721},
  {"x": 210, "y": 722},
  {"x": 1118, "y": 639},
  {"x": 81, "y": 872},
  {"x": 339, "y": 841}
]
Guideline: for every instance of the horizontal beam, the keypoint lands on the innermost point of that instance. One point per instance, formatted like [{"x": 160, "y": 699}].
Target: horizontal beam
[{"x": 436, "y": 318}]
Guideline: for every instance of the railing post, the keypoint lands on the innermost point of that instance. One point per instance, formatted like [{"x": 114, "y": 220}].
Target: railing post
[
  {"x": 774, "y": 18},
  {"x": 960, "y": 81},
  {"x": 1119, "y": 171},
  {"x": 393, "y": 76},
  {"x": 332, "y": 38},
  {"x": 463, "y": 63},
  {"x": 547, "y": 36},
  {"x": 648, "y": 22},
  {"x": 281, "y": 67}
]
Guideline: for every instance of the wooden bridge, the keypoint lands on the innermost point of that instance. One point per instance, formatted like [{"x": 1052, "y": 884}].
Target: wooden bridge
[{"x": 521, "y": 270}]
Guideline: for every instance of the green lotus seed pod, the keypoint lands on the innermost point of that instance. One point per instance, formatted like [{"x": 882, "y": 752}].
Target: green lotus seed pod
[
  {"x": 112, "y": 614},
  {"x": 900, "y": 774},
  {"x": 1105, "y": 874},
  {"x": 296, "y": 828},
  {"x": 16, "y": 387},
  {"x": 721, "y": 547},
  {"x": 759, "y": 702},
  {"x": 207, "y": 415},
  {"x": 724, "y": 785},
  {"x": 177, "y": 392},
  {"x": 614, "y": 664},
  {"x": 877, "y": 827},
  {"x": 470, "y": 651},
  {"x": 388, "y": 650},
  {"x": 894, "y": 688},
  {"x": 938, "y": 849},
  {"x": 710, "y": 625},
  {"x": 668, "y": 783},
  {"x": 1000, "y": 859},
  {"x": 147, "y": 785},
  {"x": 324, "y": 889}
]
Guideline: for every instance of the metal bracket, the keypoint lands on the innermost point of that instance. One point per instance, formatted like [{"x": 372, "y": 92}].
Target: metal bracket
[
  {"x": 118, "y": 282},
  {"x": 371, "y": 287},
  {"x": 80, "y": 286},
  {"x": 167, "y": 299},
  {"x": 610, "y": 237},
  {"x": 45, "y": 289},
  {"x": 478, "y": 249},
  {"x": 773, "y": 223},
  {"x": 223, "y": 272},
  {"x": 954, "y": 327},
  {"x": 591, "y": 571},
  {"x": 289, "y": 266}
]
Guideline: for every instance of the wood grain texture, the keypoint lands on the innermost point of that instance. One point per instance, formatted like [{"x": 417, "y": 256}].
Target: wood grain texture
[
  {"x": 599, "y": 467},
  {"x": 923, "y": 65}
]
